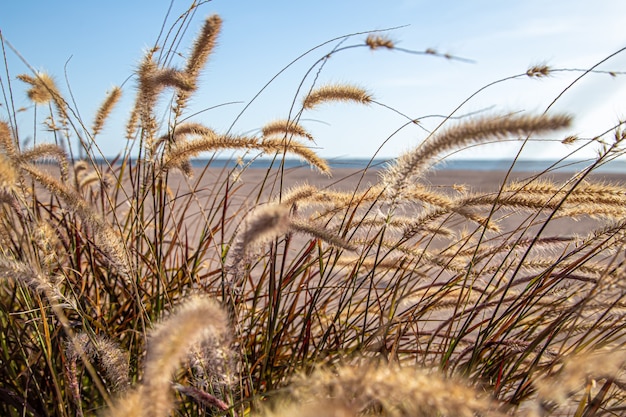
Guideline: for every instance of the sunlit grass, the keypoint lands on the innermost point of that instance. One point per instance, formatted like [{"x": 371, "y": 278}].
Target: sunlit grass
[{"x": 131, "y": 287}]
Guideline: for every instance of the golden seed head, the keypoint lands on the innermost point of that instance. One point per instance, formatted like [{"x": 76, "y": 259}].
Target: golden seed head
[
  {"x": 32, "y": 277},
  {"x": 538, "y": 71},
  {"x": 199, "y": 318},
  {"x": 378, "y": 41},
  {"x": 318, "y": 231},
  {"x": 43, "y": 87},
  {"x": 282, "y": 127},
  {"x": 169, "y": 77},
  {"x": 105, "y": 109},
  {"x": 413, "y": 391},
  {"x": 412, "y": 164},
  {"x": 8, "y": 175},
  {"x": 111, "y": 358},
  {"x": 80, "y": 167},
  {"x": 570, "y": 139},
  {"x": 6, "y": 139},
  {"x": 260, "y": 226},
  {"x": 204, "y": 45},
  {"x": 336, "y": 92}
]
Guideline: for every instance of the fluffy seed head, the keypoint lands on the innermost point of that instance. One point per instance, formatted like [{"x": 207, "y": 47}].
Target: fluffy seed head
[
  {"x": 319, "y": 232},
  {"x": 112, "y": 360},
  {"x": 204, "y": 45},
  {"x": 105, "y": 109},
  {"x": 392, "y": 391},
  {"x": 538, "y": 71},
  {"x": 412, "y": 164},
  {"x": 560, "y": 389},
  {"x": 43, "y": 87},
  {"x": 108, "y": 240},
  {"x": 282, "y": 127},
  {"x": 199, "y": 318},
  {"x": 44, "y": 151},
  {"x": 169, "y": 77},
  {"x": 378, "y": 41},
  {"x": 263, "y": 224},
  {"x": 8, "y": 176},
  {"x": 336, "y": 92},
  {"x": 27, "y": 275},
  {"x": 209, "y": 141},
  {"x": 6, "y": 139}
]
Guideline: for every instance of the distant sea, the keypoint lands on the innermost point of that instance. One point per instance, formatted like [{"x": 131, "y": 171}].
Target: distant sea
[{"x": 616, "y": 166}]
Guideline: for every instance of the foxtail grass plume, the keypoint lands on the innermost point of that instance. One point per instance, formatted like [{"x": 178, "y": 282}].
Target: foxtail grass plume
[
  {"x": 566, "y": 388},
  {"x": 109, "y": 242},
  {"x": 197, "y": 319},
  {"x": 169, "y": 77},
  {"x": 378, "y": 41},
  {"x": 112, "y": 360},
  {"x": 391, "y": 391},
  {"x": 336, "y": 92},
  {"x": 297, "y": 148},
  {"x": 302, "y": 226},
  {"x": 190, "y": 129},
  {"x": 538, "y": 71},
  {"x": 8, "y": 178},
  {"x": 209, "y": 141},
  {"x": 260, "y": 226},
  {"x": 412, "y": 164},
  {"x": 43, "y": 91},
  {"x": 296, "y": 194},
  {"x": 283, "y": 127},
  {"x": 203, "y": 46},
  {"x": 43, "y": 88},
  {"x": 105, "y": 110},
  {"x": 6, "y": 140},
  {"x": 152, "y": 81},
  {"x": 213, "y": 363},
  {"x": 27, "y": 275},
  {"x": 202, "y": 49},
  {"x": 44, "y": 151}
]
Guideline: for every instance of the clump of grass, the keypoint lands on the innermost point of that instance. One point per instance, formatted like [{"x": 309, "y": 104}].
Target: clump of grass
[{"x": 127, "y": 290}]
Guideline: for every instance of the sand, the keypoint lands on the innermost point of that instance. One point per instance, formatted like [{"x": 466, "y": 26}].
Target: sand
[
  {"x": 260, "y": 185},
  {"x": 345, "y": 179}
]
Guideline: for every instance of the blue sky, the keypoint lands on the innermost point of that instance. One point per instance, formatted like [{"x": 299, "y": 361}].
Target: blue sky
[{"x": 96, "y": 45}]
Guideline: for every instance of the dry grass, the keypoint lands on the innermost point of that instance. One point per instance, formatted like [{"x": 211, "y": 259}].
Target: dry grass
[{"x": 129, "y": 289}]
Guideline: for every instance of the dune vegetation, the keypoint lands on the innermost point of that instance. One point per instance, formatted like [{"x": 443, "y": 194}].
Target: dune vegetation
[{"x": 131, "y": 288}]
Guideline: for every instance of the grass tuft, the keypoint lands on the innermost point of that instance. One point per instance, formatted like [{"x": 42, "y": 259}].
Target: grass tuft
[{"x": 128, "y": 289}]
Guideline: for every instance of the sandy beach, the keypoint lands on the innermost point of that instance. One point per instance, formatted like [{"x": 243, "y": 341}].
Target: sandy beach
[
  {"x": 259, "y": 185},
  {"x": 271, "y": 181}
]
